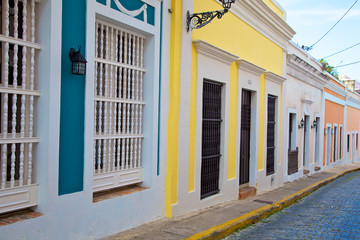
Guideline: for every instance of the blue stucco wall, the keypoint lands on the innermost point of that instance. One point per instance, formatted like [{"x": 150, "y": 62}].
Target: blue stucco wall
[
  {"x": 132, "y": 5},
  {"x": 71, "y": 157}
]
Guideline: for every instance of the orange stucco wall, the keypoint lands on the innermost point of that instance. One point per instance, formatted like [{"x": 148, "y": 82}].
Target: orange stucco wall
[
  {"x": 352, "y": 94},
  {"x": 352, "y": 124},
  {"x": 337, "y": 83},
  {"x": 334, "y": 94},
  {"x": 352, "y": 119},
  {"x": 334, "y": 114}
]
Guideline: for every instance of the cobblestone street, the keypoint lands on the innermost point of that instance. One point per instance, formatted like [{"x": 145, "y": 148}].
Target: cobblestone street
[{"x": 332, "y": 212}]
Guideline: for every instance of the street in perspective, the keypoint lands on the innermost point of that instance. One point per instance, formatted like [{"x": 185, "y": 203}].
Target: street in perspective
[
  {"x": 332, "y": 212},
  {"x": 179, "y": 119}
]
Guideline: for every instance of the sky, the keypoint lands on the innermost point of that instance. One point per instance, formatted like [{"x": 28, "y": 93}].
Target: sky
[{"x": 311, "y": 19}]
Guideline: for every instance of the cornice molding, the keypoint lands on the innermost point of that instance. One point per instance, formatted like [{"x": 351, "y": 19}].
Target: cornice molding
[
  {"x": 353, "y": 100},
  {"x": 274, "y": 77},
  {"x": 259, "y": 16},
  {"x": 151, "y": 2},
  {"x": 250, "y": 67},
  {"x": 307, "y": 101},
  {"x": 214, "y": 52},
  {"x": 302, "y": 70},
  {"x": 336, "y": 89}
]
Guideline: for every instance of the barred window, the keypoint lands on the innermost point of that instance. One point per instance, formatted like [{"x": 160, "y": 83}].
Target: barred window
[
  {"x": 119, "y": 74},
  {"x": 17, "y": 100}
]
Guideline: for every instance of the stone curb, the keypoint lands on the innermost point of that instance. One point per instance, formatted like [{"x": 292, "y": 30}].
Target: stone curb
[{"x": 256, "y": 215}]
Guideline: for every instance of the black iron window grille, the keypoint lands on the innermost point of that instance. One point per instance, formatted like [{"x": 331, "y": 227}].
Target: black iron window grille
[
  {"x": 211, "y": 139},
  {"x": 270, "y": 154}
]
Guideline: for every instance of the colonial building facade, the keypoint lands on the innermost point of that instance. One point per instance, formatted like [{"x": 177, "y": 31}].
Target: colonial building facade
[
  {"x": 68, "y": 139},
  {"x": 228, "y": 105},
  {"x": 167, "y": 120},
  {"x": 304, "y": 101}
]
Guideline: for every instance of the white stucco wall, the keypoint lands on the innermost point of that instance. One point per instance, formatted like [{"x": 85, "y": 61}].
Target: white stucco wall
[
  {"x": 75, "y": 216},
  {"x": 304, "y": 96}
]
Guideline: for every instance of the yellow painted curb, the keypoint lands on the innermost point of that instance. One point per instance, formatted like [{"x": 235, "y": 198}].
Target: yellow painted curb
[{"x": 222, "y": 230}]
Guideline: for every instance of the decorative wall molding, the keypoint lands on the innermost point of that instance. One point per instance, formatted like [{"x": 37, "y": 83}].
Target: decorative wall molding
[
  {"x": 307, "y": 101},
  {"x": 336, "y": 89},
  {"x": 250, "y": 67},
  {"x": 214, "y": 52},
  {"x": 142, "y": 10},
  {"x": 131, "y": 13},
  {"x": 334, "y": 99},
  {"x": 18, "y": 197},
  {"x": 259, "y": 16},
  {"x": 353, "y": 102},
  {"x": 274, "y": 77},
  {"x": 302, "y": 70}
]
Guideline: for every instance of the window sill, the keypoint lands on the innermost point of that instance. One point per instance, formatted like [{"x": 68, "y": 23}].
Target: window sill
[
  {"x": 117, "y": 192},
  {"x": 13, "y": 217}
]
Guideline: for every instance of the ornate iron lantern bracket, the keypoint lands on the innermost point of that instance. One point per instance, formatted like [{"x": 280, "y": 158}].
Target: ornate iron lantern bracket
[{"x": 198, "y": 20}]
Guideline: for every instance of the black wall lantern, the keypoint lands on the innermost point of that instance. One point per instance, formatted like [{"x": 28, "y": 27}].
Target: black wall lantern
[
  {"x": 301, "y": 125},
  {"x": 198, "y": 20},
  {"x": 314, "y": 124},
  {"x": 78, "y": 62}
]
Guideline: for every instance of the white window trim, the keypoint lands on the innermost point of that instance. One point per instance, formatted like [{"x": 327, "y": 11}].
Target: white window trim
[
  {"x": 19, "y": 193},
  {"x": 356, "y": 146},
  {"x": 335, "y": 138},
  {"x": 272, "y": 87},
  {"x": 317, "y": 139},
  {"x": 307, "y": 161},
  {"x": 213, "y": 64},
  {"x": 328, "y": 151},
  {"x": 249, "y": 79},
  {"x": 277, "y": 117},
  {"x": 294, "y": 138},
  {"x": 348, "y": 146},
  {"x": 352, "y": 146},
  {"x": 341, "y": 141},
  {"x": 151, "y": 62},
  {"x": 293, "y": 176}
]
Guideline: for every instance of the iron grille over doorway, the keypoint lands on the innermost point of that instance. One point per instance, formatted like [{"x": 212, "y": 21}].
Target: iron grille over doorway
[
  {"x": 270, "y": 156},
  {"x": 211, "y": 132},
  {"x": 245, "y": 137}
]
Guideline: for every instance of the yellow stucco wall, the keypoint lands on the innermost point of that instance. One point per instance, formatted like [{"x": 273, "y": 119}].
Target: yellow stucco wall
[
  {"x": 261, "y": 136},
  {"x": 235, "y": 36},
  {"x": 174, "y": 99},
  {"x": 233, "y": 106},
  {"x": 274, "y": 8},
  {"x": 192, "y": 142}
]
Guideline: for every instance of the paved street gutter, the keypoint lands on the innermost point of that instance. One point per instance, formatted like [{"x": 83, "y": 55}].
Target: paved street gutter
[{"x": 252, "y": 217}]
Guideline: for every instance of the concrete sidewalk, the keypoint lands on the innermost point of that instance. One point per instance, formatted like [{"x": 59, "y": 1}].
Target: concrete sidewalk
[{"x": 220, "y": 220}]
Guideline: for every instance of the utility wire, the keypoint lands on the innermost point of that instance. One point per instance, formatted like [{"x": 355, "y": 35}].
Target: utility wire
[
  {"x": 342, "y": 50},
  {"x": 347, "y": 64},
  {"x": 334, "y": 25}
]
